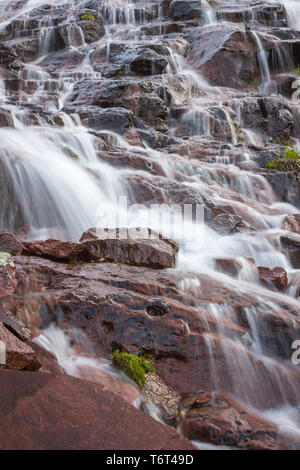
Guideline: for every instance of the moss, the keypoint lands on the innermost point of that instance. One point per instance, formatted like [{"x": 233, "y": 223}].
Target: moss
[
  {"x": 135, "y": 367},
  {"x": 5, "y": 259},
  {"x": 289, "y": 162},
  {"x": 291, "y": 154},
  {"x": 271, "y": 165},
  {"x": 297, "y": 71},
  {"x": 87, "y": 17}
]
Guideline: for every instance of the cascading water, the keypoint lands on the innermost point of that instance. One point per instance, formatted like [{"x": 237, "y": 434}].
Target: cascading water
[
  {"x": 263, "y": 63},
  {"x": 209, "y": 14},
  {"x": 54, "y": 180},
  {"x": 292, "y": 8}
]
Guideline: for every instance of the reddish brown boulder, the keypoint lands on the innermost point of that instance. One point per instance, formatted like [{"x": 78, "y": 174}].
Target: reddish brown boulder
[
  {"x": 8, "y": 282},
  {"x": 276, "y": 276},
  {"x": 54, "y": 249},
  {"x": 9, "y": 243},
  {"x": 224, "y": 421},
  {"x": 36, "y": 409},
  {"x": 292, "y": 223},
  {"x": 19, "y": 355},
  {"x": 135, "y": 248}
]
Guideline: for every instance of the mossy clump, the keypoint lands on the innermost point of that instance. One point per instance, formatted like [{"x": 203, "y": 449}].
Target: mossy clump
[
  {"x": 289, "y": 162},
  {"x": 291, "y": 154},
  {"x": 87, "y": 17},
  {"x": 134, "y": 366},
  {"x": 5, "y": 259},
  {"x": 297, "y": 71}
]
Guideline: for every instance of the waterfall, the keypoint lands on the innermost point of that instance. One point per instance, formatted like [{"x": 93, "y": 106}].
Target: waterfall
[
  {"x": 263, "y": 63},
  {"x": 82, "y": 127},
  {"x": 209, "y": 14},
  {"x": 292, "y": 8}
]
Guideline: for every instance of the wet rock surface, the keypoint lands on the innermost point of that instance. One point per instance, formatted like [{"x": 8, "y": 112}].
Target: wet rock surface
[
  {"x": 167, "y": 102},
  {"x": 276, "y": 276},
  {"x": 18, "y": 355},
  {"x": 225, "y": 421},
  {"x": 80, "y": 403}
]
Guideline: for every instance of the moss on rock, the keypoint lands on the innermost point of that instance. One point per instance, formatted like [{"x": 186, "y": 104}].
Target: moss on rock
[
  {"x": 87, "y": 17},
  {"x": 289, "y": 162},
  {"x": 135, "y": 367},
  {"x": 5, "y": 259}
]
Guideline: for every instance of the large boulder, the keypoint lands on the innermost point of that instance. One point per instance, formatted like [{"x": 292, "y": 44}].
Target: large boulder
[
  {"x": 223, "y": 55},
  {"x": 148, "y": 99},
  {"x": 37, "y": 408},
  {"x": 137, "y": 247}
]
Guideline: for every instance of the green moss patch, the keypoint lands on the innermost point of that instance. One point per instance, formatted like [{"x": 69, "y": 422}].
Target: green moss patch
[
  {"x": 5, "y": 259},
  {"x": 289, "y": 162},
  {"x": 87, "y": 17},
  {"x": 135, "y": 367}
]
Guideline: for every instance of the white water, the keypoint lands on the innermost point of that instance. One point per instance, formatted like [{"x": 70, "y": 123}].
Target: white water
[
  {"x": 263, "y": 62},
  {"x": 292, "y": 8}
]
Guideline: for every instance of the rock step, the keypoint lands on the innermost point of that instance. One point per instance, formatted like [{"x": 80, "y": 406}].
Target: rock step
[{"x": 79, "y": 405}]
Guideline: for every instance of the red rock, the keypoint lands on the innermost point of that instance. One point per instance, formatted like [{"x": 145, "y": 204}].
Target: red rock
[
  {"x": 135, "y": 308},
  {"x": 226, "y": 422},
  {"x": 148, "y": 250},
  {"x": 277, "y": 276},
  {"x": 19, "y": 355},
  {"x": 8, "y": 282},
  {"x": 40, "y": 411},
  {"x": 292, "y": 223},
  {"x": 54, "y": 249},
  {"x": 9, "y": 243}
]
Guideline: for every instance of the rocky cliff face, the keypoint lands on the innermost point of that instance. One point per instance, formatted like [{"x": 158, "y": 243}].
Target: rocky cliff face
[{"x": 175, "y": 102}]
